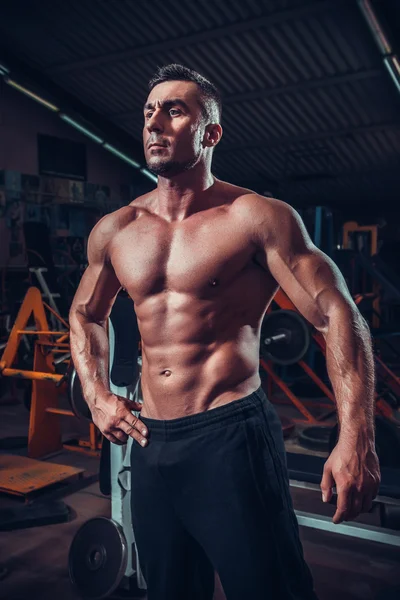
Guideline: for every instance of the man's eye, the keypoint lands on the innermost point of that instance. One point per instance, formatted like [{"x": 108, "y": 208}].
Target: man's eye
[
  {"x": 148, "y": 115},
  {"x": 174, "y": 110}
]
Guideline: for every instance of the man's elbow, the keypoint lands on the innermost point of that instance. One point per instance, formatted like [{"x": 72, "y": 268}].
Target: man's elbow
[{"x": 80, "y": 315}]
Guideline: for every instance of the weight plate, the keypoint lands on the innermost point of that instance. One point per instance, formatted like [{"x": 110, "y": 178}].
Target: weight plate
[
  {"x": 390, "y": 516},
  {"x": 315, "y": 438},
  {"x": 291, "y": 349},
  {"x": 76, "y": 399},
  {"x": 98, "y": 558}
]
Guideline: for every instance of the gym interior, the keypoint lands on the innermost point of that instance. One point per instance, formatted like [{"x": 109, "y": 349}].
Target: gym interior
[{"x": 311, "y": 97}]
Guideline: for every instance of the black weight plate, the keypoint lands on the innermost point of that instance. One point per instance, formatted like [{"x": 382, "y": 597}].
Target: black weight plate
[
  {"x": 293, "y": 348},
  {"x": 97, "y": 558},
  {"x": 315, "y": 438},
  {"x": 76, "y": 399},
  {"x": 390, "y": 516},
  {"x": 387, "y": 442}
]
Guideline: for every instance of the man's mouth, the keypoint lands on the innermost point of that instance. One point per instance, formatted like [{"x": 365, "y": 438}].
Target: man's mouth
[{"x": 157, "y": 145}]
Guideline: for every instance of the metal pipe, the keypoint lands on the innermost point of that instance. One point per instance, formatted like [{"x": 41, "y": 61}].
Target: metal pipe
[
  {"x": 62, "y": 358},
  {"x": 275, "y": 338},
  {"x": 33, "y": 375},
  {"x": 390, "y": 60},
  {"x": 375, "y": 27}
]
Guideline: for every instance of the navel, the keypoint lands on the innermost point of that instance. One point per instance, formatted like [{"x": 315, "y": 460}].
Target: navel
[{"x": 167, "y": 373}]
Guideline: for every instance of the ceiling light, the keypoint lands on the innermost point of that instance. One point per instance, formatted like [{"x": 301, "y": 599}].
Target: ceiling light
[
  {"x": 82, "y": 129},
  {"x": 27, "y": 92},
  {"x": 123, "y": 156},
  {"x": 149, "y": 175},
  {"x": 392, "y": 65},
  {"x": 3, "y": 70}
]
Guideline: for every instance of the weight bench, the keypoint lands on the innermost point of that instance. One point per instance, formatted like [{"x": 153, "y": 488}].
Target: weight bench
[{"x": 305, "y": 472}]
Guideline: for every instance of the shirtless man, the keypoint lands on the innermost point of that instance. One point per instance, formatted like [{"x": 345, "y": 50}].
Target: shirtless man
[{"x": 202, "y": 260}]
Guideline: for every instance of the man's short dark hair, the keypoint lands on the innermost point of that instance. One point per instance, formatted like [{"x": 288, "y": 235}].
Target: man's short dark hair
[{"x": 210, "y": 97}]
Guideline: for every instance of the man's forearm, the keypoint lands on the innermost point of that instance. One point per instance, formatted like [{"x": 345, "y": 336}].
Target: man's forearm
[
  {"x": 350, "y": 364},
  {"x": 90, "y": 355}
]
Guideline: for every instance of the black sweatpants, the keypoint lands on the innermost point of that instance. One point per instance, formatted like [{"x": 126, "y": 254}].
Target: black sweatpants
[{"x": 210, "y": 492}]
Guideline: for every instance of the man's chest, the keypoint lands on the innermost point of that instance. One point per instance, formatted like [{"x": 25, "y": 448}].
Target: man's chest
[{"x": 196, "y": 256}]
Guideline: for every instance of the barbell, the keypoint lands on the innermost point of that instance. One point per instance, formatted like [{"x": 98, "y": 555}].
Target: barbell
[{"x": 285, "y": 338}]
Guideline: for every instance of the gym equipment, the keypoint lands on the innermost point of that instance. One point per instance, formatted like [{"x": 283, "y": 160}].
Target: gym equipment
[
  {"x": 76, "y": 399},
  {"x": 51, "y": 349},
  {"x": 36, "y": 514},
  {"x": 24, "y": 477},
  {"x": 125, "y": 367},
  {"x": 382, "y": 407},
  {"x": 285, "y": 337},
  {"x": 115, "y": 468},
  {"x": 315, "y": 438},
  {"x": 390, "y": 516},
  {"x": 387, "y": 442},
  {"x": 98, "y": 558},
  {"x": 305, "y": 472}
]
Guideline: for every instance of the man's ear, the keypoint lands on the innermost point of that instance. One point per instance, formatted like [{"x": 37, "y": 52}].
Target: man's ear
[{"x": 212, "y": 135}]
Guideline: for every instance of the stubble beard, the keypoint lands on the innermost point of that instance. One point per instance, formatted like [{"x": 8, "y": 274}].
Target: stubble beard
[{"x": 170, "y": 168}]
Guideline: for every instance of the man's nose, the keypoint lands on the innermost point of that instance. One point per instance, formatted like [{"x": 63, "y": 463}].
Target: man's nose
[{"x": 155, "y": 123}]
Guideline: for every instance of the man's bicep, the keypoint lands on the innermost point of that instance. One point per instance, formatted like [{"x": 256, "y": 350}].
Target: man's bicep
[
  {"x": 310, "y": 278},
  {"x": 314, "y": 284}
]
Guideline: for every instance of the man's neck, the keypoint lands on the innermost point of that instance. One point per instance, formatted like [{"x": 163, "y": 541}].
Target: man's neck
[{"x": 180, "y": 196}]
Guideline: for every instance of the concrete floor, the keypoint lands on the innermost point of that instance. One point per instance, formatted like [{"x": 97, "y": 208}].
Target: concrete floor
[{"x": 37, "y": 558}]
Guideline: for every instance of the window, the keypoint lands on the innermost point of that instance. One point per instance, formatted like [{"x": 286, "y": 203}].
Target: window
[{"x": 61, "y": 158}]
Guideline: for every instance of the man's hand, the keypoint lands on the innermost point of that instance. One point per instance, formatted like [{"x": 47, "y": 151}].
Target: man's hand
[
  {"x": 354, "y": 469},
  {"x": 112, "y": 415}
]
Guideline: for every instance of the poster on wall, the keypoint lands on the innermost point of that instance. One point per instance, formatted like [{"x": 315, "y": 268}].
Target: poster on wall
[
  {"x": 30, "y": 185},
  {"x": 101, "y": 195},
  {"x": 14, "y": 222},
  {"x": 33, "y": 213},
  {"x": 13, "y": 184},
  {"x": 47, "y": 190},
  {"x": 90, "y": 190},
  {"x": 46, "y": 215},
  {"x": 77, "y": 223},
  {"x": 76, "y": 191},
  {"x": 60, "y": 224},
  {"x": 62, "y": 190},
  {"x": 77, "y": 249}
]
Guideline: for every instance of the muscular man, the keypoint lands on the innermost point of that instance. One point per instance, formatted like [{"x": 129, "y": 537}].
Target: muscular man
[{"x": 202, "y": 260}]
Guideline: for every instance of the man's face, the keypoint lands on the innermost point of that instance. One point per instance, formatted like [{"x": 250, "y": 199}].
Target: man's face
[{"x": 173, "y": 127}]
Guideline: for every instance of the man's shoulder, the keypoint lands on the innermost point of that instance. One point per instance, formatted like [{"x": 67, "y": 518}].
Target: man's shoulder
[
  {"x": 259, "y": 207},
  {"x": 112, "y": 223}
]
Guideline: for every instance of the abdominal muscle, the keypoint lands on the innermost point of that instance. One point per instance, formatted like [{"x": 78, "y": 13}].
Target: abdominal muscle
[
  {"x": 197, "y": 364},
  {"x": 191, "y": 384}
]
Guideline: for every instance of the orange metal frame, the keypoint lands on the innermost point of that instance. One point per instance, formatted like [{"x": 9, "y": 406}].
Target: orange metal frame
[
  {"x": 381, "y": 406},
  {"x": 351, "y": 227},
  {"x": 44, "y": 424}
]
